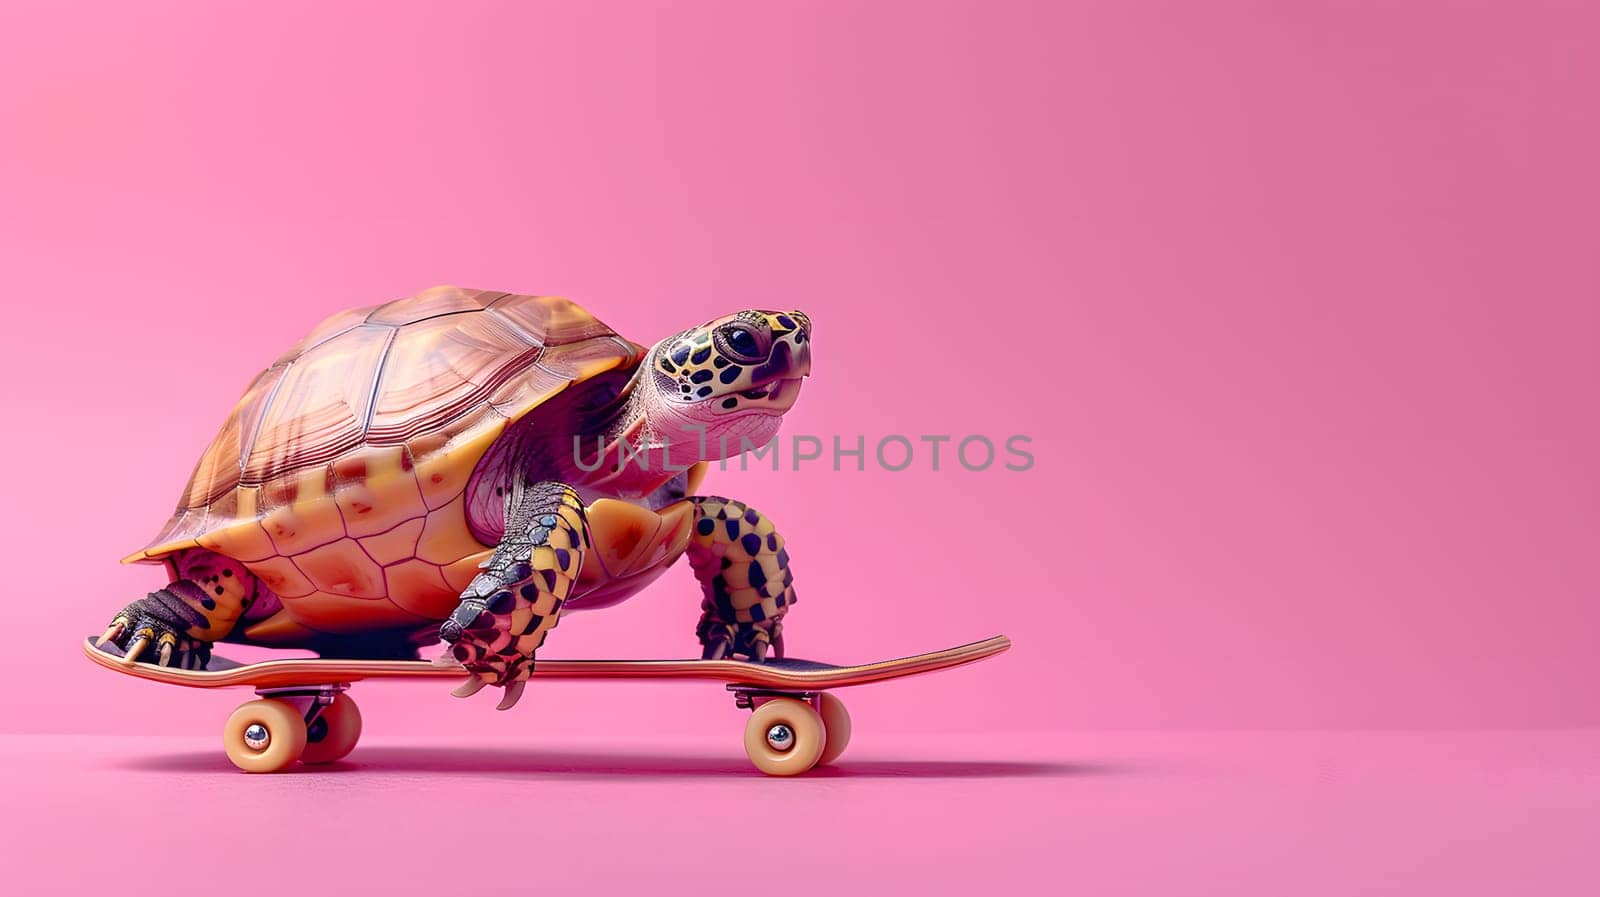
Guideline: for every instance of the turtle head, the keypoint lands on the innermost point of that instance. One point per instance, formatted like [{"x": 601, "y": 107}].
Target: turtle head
[{"x": 731, "y": 378}]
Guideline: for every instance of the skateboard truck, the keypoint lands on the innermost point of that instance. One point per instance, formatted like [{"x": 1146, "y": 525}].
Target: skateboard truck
[
  {"x": 311, "y": 701},
  {"x": 748, "y": 697}
]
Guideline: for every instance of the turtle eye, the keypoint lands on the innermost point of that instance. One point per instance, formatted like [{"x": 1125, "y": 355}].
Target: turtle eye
[{"x": 743, "y": 343}]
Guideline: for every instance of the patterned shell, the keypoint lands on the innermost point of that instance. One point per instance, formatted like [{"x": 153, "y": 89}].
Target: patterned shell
[{"x": 375, "y": 409}]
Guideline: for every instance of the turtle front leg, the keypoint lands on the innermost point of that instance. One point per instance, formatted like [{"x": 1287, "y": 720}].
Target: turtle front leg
[
  {"x": 507, "y": 609},
  {"x": 739, "y": 558}
]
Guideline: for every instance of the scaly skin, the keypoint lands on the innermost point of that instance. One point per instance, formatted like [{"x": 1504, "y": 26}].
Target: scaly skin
[
  {"x": 743, "y": 568},
  {"x": 178, "y": 623},
  {"x": 508, "y": 609}
]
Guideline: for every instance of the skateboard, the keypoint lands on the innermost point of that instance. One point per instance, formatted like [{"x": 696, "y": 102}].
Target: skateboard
[{"x": 303, "y": 712}]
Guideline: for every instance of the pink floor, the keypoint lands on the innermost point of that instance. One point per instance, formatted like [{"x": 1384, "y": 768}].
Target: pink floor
[{"x": 1092, "y": 813}]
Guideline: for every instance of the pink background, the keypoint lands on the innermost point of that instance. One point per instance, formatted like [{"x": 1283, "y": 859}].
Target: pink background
[{"x": 1298, "y": 304}]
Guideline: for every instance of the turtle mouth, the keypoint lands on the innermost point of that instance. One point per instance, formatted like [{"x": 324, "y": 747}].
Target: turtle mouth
[{"x": 772, "y": 397}]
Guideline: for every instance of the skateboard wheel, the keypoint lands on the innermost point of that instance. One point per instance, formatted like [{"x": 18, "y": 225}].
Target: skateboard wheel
[
  {"x": 836, "y": 721},
  {"x": 334, "y": 733},
  {"x": 784, "y": 737},
  {"x": 264, "y": 736}
]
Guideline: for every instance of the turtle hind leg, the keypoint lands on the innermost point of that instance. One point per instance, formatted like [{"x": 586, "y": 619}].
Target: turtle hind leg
[
  {"x": 743, "y": 568},
  {"x": 176, "y": 625}
]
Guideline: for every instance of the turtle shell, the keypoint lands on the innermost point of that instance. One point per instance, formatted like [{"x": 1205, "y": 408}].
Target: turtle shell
[{"x": 367, "y": 431}]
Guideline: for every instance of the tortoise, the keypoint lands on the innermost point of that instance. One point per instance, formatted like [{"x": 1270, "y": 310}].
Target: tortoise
[{"x": 468, "y": 465}]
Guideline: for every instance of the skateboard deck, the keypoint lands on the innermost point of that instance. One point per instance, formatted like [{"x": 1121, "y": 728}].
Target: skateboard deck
[
  {"x": 788, "y": 673},
  {"x": 304, "y": 715}
]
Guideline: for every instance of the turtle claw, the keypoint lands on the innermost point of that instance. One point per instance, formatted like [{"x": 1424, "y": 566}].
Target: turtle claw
[
  {"x": 467, "y": 689},
  {"x": 723, "y": 641},
  {"x": 716, "y": 649},
  {"x": 135, "y": 649},
  {"x": 487, "y": 657},
  {"x": 513, "y": 695},
  {"x": 476, "y": 683},
  {"x": 141, "y": 627}
]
